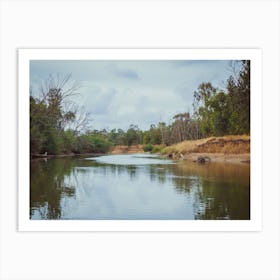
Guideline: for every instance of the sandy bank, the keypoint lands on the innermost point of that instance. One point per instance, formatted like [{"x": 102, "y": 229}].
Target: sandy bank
[
  {"x": 220, "y": 157},
  {"x": 134, "y": 149},
  {"x": 230, "y": 148}
]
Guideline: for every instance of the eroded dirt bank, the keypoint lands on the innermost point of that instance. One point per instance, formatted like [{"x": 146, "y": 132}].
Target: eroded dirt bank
[
  {"x": 219, "y": 157},
  {"x": 134, "y": 149},
  {"x": 232, "y": 148}
]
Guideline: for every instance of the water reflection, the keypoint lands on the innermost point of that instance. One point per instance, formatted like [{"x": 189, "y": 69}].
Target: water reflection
[
  {"x": 223, "y": 190},
  {"x": 51, "y": 182},
  {"x": 77, "y": 188}
]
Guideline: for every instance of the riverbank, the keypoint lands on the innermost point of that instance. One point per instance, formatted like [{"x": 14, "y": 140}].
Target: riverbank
[
  {"x": 47, "y": 156},
  {"x": 231, "y": 148},
  {"x": 219, "y": 157},
  {"x": 134, "y": 149}
]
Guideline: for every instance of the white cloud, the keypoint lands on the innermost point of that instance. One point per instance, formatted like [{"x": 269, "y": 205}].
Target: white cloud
[{"x": 119, "y": 93}]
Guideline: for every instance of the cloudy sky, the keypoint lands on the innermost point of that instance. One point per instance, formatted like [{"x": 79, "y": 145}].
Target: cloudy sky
[{"x": 123, "y": 92}]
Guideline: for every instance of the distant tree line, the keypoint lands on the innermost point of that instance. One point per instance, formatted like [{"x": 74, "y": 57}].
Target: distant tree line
[{"x": 58, "y": 125}]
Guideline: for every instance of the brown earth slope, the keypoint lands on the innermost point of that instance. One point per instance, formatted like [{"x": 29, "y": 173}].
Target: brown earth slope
[
  {"x": 127, "y": 149},
  {"x": 232, "y": 148}
]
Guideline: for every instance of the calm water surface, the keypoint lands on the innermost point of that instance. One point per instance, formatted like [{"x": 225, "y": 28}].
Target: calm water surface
[{"x": 140, "y": 186}]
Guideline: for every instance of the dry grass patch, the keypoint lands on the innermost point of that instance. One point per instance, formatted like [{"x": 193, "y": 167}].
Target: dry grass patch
[{"x": 230, "y": 144}]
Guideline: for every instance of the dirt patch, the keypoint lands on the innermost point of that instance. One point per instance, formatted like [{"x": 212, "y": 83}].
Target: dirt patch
[
  {"x": 224, "y": 145},
  {"x": 220, "y": 157},
  {"x": 231, "y": 148},
  {"x": 135, "y": 149}
]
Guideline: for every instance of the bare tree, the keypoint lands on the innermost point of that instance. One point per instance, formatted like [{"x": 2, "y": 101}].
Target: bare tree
[
  {"x": 64, "y": 87},
  {"x": 55, "y": 95},
  {"x": 82, "y": 120}
]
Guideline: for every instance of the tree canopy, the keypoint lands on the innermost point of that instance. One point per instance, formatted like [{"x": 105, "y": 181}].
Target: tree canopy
[{"x": 221, "y": 112}]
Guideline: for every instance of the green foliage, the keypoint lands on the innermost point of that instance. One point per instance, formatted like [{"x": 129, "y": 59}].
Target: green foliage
[
  {"x": 38, "y": 125},
  {"x": 158, "y": 149},
  {"x": 155, "y": 135},
  {"x": 69, "y": 140},
  {"x": 36, "y": 139},
  {"x": 238, "y": 87},
  {"x": 153, "y": 148},
  {"x": 148, "y": 148},
  {"x": 133, "y": 136},
  {"x": 47, "y": 122},
  {"x": 211, "y": 110},
  {"x": 219, "y": 112},
  {"x": 146, "y": 137},
  {"x": 53, "y": 142},
  {"x": 51, "y": 114},
  {"x": 92, "y": 142},
  {"x": 99, "y": 143}
]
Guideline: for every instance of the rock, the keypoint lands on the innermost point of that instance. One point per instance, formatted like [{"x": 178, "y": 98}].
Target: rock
[{"x": 203, "y": 159}]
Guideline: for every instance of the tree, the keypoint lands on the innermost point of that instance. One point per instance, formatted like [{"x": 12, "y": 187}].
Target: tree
[
  {"x": 219, "y": 112},
  {"x": 155, "y": 135},
  {"x": 77, "y": 119},
  {"x": 163, "y": 131},
  {"x": 38, "y": 125},
  {"x": 133, "y": 135},
  {"x": 211, "y": 107},
  {"x": 203, "y": 110},
  {"x": 238, "y": 86},
  {"x": 52, "y": 113}
]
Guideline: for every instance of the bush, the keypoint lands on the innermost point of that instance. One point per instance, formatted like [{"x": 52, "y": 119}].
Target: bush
[
  {"x": 100, "y": 145},
  {"x": 53, "y": 142},
  {"x": 148, "y": 148},
  {"x": 158, "y": 149}
]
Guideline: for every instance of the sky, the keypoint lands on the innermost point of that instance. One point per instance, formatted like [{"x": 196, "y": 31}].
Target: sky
[{"x": 119, "y": 93}]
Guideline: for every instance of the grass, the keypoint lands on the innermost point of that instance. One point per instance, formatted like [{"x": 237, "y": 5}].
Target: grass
[
  {"x": 230, "y": 144},
  {"x": 158, "y": 149}
]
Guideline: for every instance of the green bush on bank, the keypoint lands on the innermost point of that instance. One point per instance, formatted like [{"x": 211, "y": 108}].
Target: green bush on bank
[
  {"x": 158, "y": 149},
  {"x": 153, "y": 148},
  {"x": 148, "y": 148}
]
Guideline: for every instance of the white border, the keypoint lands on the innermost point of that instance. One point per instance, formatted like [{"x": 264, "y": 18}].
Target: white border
[{"x": 24, "y": 57}]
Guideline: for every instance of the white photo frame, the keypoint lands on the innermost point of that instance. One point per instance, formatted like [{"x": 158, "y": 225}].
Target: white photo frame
[
  {"x": 162, "y": 255},
  {"x": 255, "y": 222}
]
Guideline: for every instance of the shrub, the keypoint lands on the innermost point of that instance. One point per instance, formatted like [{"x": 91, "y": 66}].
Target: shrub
[
  {"x": 148, "y": 148},
  {"x": 158, "y": 148}
]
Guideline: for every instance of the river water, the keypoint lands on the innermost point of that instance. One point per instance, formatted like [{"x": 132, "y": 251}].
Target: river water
[{"x": 138, "y": 187}]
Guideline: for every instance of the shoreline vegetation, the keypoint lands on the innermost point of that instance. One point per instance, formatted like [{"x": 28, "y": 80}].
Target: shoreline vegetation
[
  {"x": 230, "y": 149},
  {"x": 227, "y": 149}
]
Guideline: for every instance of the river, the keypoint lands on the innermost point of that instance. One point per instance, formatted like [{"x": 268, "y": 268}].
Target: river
[{"x": 138, "y": 187}]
